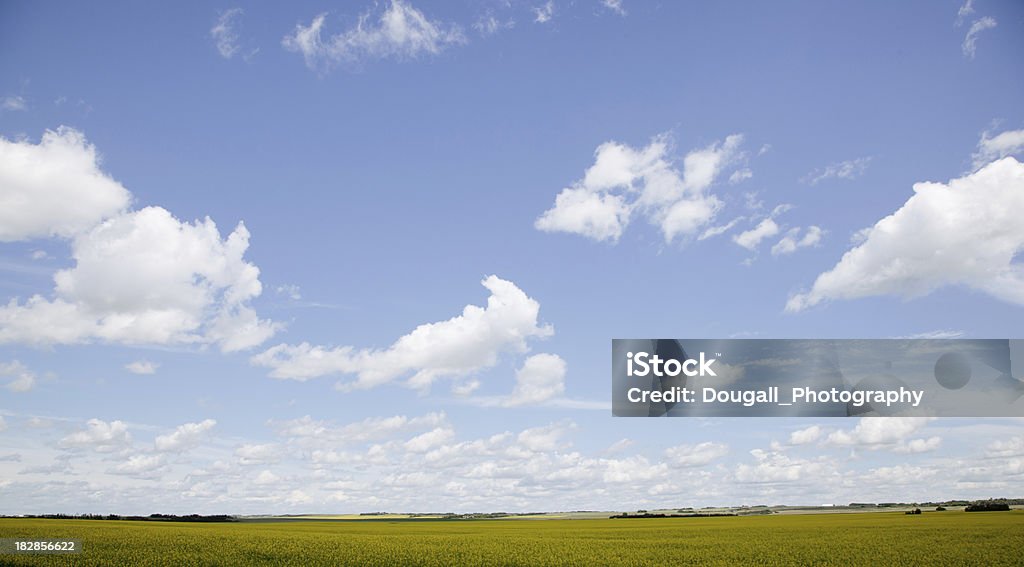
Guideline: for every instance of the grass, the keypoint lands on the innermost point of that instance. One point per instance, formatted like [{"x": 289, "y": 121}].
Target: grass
[{"x": 935, "y": 538}]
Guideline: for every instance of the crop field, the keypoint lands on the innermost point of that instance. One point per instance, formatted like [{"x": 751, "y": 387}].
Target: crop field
[{"x": 933, "y": 538}]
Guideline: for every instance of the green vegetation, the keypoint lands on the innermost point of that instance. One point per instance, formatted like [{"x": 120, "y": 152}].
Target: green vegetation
[{"x": 950, "y": 538}]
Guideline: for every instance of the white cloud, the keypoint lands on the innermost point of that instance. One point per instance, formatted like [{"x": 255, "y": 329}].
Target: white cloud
[
  {"x": 185, "y": 437},
  {"x": 1012, "y": 447},
  {"x": 266, "y": 477},
  {"x": 792, "y": 241},
  {"x": 805, "y": 436},
  {"x": 885, "y": 432},
  {"x": 624, "y": 180},
  {"x": 292, "y": 291},
  {"x": 713, "y": 231},
  {"x": 544, "y": 438},
  {"x": 430, "y": 440},
  {"x": 22, "y": 379},
  {"x": 258, "y": 453},
  {"x": 308, "y": 431},
  {"x": 919, "y": 445},
  {"x": 137, "y": 465},
  {"x": 146, "y": 277},
  {"x": 544, "y": 13},
  {"x": 594, "y": 215},
  {"x": 695, "y": 455},
  {"x": 55, "y": 187},
  {"x": 614, "y": 6},
  {"x": 937, "y": 334},
  {"x": 400, "y": 32},
  {"x": 141, "y": 367},
  {"x": 776, "y": 467},
  {"x": 13, "y": 103},
  {"x": 99, "y": 435},
  {"x": 750, "y": 239},
  {"x": 541, "y": 378},
  {"x": 991, "y": 148},
  {"x": 849, "y": 169},
  {"x": 966, "y": 232},
  {"x": 225, "y": 33},
  {"x": 970, "y": 46},
  {"x": 966, "y": 10},
  {"x": 446, "y": 349},
  {"x": 740, "y": 175}
]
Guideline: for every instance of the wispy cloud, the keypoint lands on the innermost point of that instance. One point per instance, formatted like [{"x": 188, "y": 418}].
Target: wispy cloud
[
  {"x": 849, "y": 169},
  {"x": 13, "y": 103},
  {"x": 969, "y": 45},
  {"x": 543, "y": 14},
  {"x": 225, "y": 33},
  {"x": 399, "y": 32}
]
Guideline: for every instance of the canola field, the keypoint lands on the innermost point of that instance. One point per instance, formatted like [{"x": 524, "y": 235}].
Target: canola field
[{"x": 933, "y": 538}]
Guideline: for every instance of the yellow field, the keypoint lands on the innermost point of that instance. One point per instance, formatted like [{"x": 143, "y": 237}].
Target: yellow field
[{"x": 934, "y": 538}]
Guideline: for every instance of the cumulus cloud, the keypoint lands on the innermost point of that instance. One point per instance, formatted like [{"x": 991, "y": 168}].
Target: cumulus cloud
[
  {"x": 541, "y": 378},
  {"x": 399, "y": 32},
  {"x": 142, "y": 367},
  {"x": 776, "y": 467},
  {"x": 22, "y": 379},
  {"x": 970, "y": 44},
  {"x": 624, "y": 181},
  {"x": 139, "y": 465},
  {"x": 991, "y": 148},
  {"x": 750, "y": 239},
  {"x": 100, "y": 436},
  {"x": 146, "y": 277},
  {"x": 55, "y": 187},
  {"x": 806, "y": 435},
  {"x": 225, "y": 32},
  {"x": 695, "y": 455},
  {"x": 454, "y": 348},
  {"x": 849, "y": 169},
  {"x": 184, "y": 437},
  {"x": 886, "y": 433},
  {"x": 967, "y": 232},
  {"x": 792, "y": 241}
]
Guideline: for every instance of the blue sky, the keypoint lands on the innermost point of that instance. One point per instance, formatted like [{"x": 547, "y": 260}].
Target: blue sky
[{"x": 389, "y": 158}]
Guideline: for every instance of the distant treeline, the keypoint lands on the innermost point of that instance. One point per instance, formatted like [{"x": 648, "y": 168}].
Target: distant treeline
[
  {"x": 649, "y": 515},
  {"x": 969, "y": 503},
  {"x": 149, "y": 518}
]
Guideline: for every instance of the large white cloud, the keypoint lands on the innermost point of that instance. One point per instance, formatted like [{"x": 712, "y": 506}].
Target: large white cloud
[
  {"x": 55, "y": 187},
  {"x": 146, "y": 277},
  {"x": 967, "y": 232},
  {"x": 446, "y": 349},
  {"x": 624, "y": 181},
  {"x": 400, "y": 32}
]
